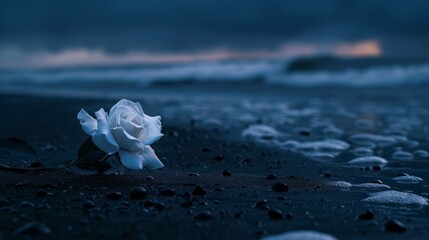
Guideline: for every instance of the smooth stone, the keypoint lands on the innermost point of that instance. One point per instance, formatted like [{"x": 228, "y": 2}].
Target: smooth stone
[
  {"x": 271, "y": 176},
  {"x": 395, "y": 226},
  {"x": 33, "y": 228},
  {"x": 275, "y": 214},
  {"x": 226, "y": 173},
  {"x": 204, "y": 216},
  {"x": 167, "y": 192},
  {"x": 280, "y": 187},
  {"x": 367, "y": 215},
  {"x": 114, "y": 196},
  {"x": 199, "y": 191},
  {"x": 138, "y": 193}
]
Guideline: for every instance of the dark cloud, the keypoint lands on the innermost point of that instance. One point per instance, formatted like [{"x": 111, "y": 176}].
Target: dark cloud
[{"x": 193, "y": 25}]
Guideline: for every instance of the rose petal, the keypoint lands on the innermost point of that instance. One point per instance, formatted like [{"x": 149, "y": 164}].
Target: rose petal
[
  {"x": 152, "y": 133},
  {"x": 150, "y": 160},
  {"x": 89, "y": 124},
  {"x": 133, "y": 105},
  {"x": 126, "y": 141},
  {"x": 131, "y": 160},
  {"x": 131, "y": 128},
  {"x": 138, "y": 160},
  {"x": 103, "y": 137}
]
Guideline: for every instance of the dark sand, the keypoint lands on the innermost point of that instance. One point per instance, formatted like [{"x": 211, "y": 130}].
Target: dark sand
[{"x": 49, "y": 124}]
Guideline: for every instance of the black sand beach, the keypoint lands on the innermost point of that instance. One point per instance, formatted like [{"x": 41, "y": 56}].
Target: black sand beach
[{"x": 214, "y": 184}]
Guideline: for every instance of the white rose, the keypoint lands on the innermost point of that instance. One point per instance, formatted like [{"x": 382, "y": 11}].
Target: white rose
[{"x": 127, "y": 130}]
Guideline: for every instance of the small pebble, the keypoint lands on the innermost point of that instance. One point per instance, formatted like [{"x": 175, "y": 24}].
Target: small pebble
[
  {"x": 395, "y": 226},
  {"x": 271, "y": 176},
  {"x": 114, "y": 196},
  {"x": 167, "y": 192},
  {"x": 203, "y": 216},
  {"x": 226, "y": 173},
  {"x": 280, "y": 187},
  {"x": 138, "y": 193},
  {"x": 275, "y": 214},
  {"x": 33, "y": 228},
  {"x": 199, "y": 191},
  {"x": 26, "y": 204},
  {"x": 367, "y": 215}
]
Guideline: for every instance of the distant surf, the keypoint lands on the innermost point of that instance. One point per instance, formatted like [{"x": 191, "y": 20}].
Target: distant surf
[{"x": 299, "y": 73}]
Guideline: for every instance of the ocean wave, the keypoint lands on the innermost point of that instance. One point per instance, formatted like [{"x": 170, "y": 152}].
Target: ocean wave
[{"x": 270, "y": 72}]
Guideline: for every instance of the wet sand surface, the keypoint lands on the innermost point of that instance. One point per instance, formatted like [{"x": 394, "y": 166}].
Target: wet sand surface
[{"x": 219, "y": 183}]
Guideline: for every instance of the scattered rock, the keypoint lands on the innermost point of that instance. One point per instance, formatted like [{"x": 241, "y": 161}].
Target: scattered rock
[
  {"x": 167, "y": 192},
  {"x": 271, "y": 176},
  {"x": 261, "y": 203},
  {"x": 219, "y": 157},
  {"x": 4, "y": 202},
  {"x": 186, "y": 204},
  {"x": 275, "y": 214},
  {"x": 33, "y": 228},
  {"x": 199, "y": 191},
  {"x": 114, "y": 196},
  {"x": 26, "y": 204},
  {"x": 88, "y": 204},
  {"x": 395, "y": 226},
  {"x": 138, "y": 193},
  {"x": 205, "y": 149},
  {"x": 43, "y": 193},
  {"x": 327, "y": 175},
  {"x": 367, "y": 215},
  {"x": 226, "y": 173},
  {"x": 203, "y": 216},
  {"x": 280, "y": 187}
]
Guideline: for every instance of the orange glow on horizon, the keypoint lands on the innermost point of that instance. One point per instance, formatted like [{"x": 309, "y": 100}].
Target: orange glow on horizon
[{"x": 369, "y": 48}]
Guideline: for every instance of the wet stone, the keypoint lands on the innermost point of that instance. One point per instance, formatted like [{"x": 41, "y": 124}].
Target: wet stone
[
  {"x": 138, "y": 193},
  {"x": 261, "y": 203},
  {"x": 167, "y": 192},
  {"x": 33, "y": 228},
  {"x": 186, "y": 204},
  {"x": 203, "y": 216},
  {"x": 88, "y": 204},
  {"x": 226, "y": 173},
  {"x": 402, "y": 174},
  {"x": 280, "y": 187},
  {"x": 367, "y": 215},
  {"x": 327, "y": 175},
  {"x": 114, "y": 196},
  {"x": 275, "y": 214},
  {"x": 4, "y": 202},
  {"x": 199, "y": 191},
  {"x": 149, "y": 178},
  {"x": 395, "y": 226},
  {"x": 377, "y": 168},
  {"x": 271, "y": 176},
  {"x": 205, "y": 149},
  {"x": 26, "y": 204},
  {"x": 43, "y": 193}
]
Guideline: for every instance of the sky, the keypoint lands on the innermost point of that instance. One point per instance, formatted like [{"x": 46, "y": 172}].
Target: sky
[{"x": 47, "y": 33}]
